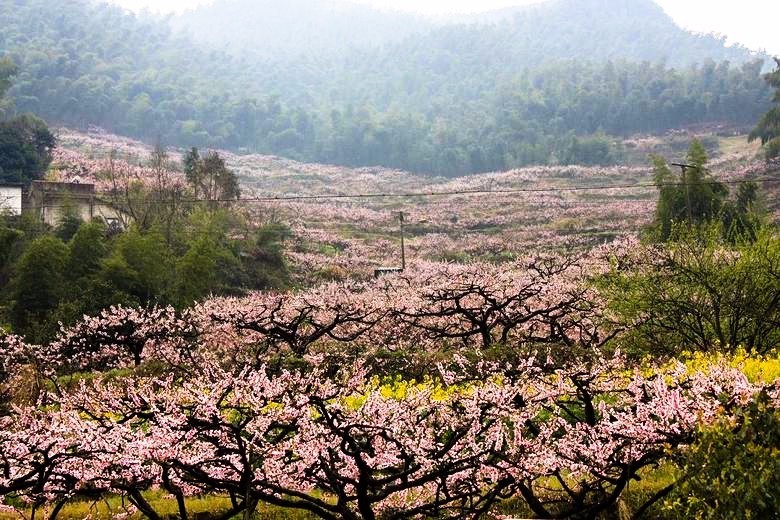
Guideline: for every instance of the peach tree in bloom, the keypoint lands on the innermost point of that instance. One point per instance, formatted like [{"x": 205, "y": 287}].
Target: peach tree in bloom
[{"x": 280, "y": 399}]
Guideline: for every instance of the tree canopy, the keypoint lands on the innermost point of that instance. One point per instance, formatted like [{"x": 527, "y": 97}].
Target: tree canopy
[{"x": 695, "y": 199}]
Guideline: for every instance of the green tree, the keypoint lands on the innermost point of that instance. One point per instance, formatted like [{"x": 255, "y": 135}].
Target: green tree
[
  {"x": 745, "y": 216},
  {"x": 88, "y": 248},
  {"x": 69, "y": 221},
  {"x": 140, "y": 268},
  {"x": 9, "y": 237},
  {"x": 264, "y": 259},
  {"x": 193, "y": 170},
  {"x": 26, "y": 145},
  {"x": 225, "y": 255},
  {"x": 768, "y": 129},
  {"x": 203, "y": 270},
  {"x": 210, "y": 177},
  {"x": 38, "y": 286},
  {"x": 694, "y": 199},
  {"x": 733, "y": 470},
  {"x": 698, "y": 292}
]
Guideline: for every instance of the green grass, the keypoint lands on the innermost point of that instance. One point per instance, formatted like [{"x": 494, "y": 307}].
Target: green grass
[
  {"x": 106, "y": 509},
  {"x": 736, "y": 144},
  {"x": 638, "y": 492}
]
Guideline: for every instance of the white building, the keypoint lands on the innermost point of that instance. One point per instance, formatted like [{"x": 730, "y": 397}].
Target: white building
[{"x": 10, "y": 199}]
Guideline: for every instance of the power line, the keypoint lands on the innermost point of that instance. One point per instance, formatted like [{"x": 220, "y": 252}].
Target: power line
[
  {"x": 429, "y": 194},
  {"x": 283, "y": 198}
]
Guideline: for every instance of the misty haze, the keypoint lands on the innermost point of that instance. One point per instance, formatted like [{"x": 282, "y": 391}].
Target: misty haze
[{"x": 322, "y": 259}]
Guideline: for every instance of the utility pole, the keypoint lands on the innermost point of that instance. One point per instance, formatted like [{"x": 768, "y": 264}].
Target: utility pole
[
  {"x": 685, "y": 168},
  {"x": 403, "y": 244},
  {"x": 382, "y": 271}
]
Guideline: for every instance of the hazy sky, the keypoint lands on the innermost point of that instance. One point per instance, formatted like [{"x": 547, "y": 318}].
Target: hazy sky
[{"x": 750, "y": 22}]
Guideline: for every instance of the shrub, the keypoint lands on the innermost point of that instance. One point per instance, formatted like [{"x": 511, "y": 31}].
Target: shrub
[
  {"x": 698, "y": 293},
  {"x": 733, "y": 471}
]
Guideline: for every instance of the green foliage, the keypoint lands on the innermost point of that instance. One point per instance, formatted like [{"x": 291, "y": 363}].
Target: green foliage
[
  {"x": 7, "y": 71},
  {"x": 25, "y": 142},
  {"x": 768, "y": 129},
  {"x": 746, "y": 215},
  {"x": 88, "y": 248},
  {"x": 696, "y": 199},
  {"x": 141, "y": 267},
  {"x": 38, "y": 285},
  {"x": 211, "y": 263},
  {"x": 25, "y": 149},
  {"x": 198, "y": 269},
  {"x": 68, "y": 222},
  {"x": 9, "y": 237},
  {"x": 590, "y": 151},
  {"x": 733, "y": 471},
  {"x": 264, "y": 263},
  {"x": 207, "y": 252},
  {"x": 699, "y": 293},
  {"x": 210, "y": 177}
]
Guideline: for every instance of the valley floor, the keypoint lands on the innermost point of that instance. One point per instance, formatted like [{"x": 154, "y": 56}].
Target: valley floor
[{"x": 345, "y": 222}]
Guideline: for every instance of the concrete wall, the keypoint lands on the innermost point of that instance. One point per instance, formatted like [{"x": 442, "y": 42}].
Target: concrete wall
[
  {"x": 86, "y": 210},
  {"x": 52, "y": 199},
  {"x": 11, "y": 200}
]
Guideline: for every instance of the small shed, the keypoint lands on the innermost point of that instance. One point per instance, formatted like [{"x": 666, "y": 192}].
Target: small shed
[{"x": 50, "y": 200}]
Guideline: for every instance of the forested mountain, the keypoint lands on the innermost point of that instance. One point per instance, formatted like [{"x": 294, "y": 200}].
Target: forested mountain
[
  {"x": 524, "y": 36},
  {"x": 637, "y": 30},
  {"x": 271, "y": 29},
  {"x": 454, "y": 99}
]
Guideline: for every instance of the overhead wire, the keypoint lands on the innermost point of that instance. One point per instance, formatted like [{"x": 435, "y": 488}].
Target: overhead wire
[{"x": 429, "y": 194}]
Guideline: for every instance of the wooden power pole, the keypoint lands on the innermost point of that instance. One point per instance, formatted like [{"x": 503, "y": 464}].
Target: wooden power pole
[
  {"x": 403, "y": 243},
  {"x": 685, "y": 168}
]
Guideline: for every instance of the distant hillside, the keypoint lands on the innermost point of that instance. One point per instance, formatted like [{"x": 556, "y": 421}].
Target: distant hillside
[
  {"x": 278, "y": 29},
  {"x": 461, "y": 58},
  {"x": 545, "y": 86}
]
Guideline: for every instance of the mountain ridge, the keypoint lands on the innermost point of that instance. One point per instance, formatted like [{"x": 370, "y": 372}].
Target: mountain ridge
[{"x": 330, "y": 26}]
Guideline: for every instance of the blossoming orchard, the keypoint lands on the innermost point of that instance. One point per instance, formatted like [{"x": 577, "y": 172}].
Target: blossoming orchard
[
  {"x": 535, "y": 358},
  {"x": 201, "y": 403}
]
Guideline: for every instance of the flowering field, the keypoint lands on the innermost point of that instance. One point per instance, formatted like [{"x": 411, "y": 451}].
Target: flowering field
[
  {"x": 361, "y": 400},
  {"x": 496, "y": 376},
  {"x": 338, "y": 238}
]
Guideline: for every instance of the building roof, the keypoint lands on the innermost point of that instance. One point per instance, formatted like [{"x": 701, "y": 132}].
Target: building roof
[{"x": 54, "y": 188}]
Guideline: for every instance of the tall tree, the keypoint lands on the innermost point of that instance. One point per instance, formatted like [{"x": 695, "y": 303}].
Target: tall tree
[
  {"x": 694, "y": 198},
  {"x": 210, "y": 177},
  {"x": 38, "y": 285},
  {"x": 768, "y": 129}
]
